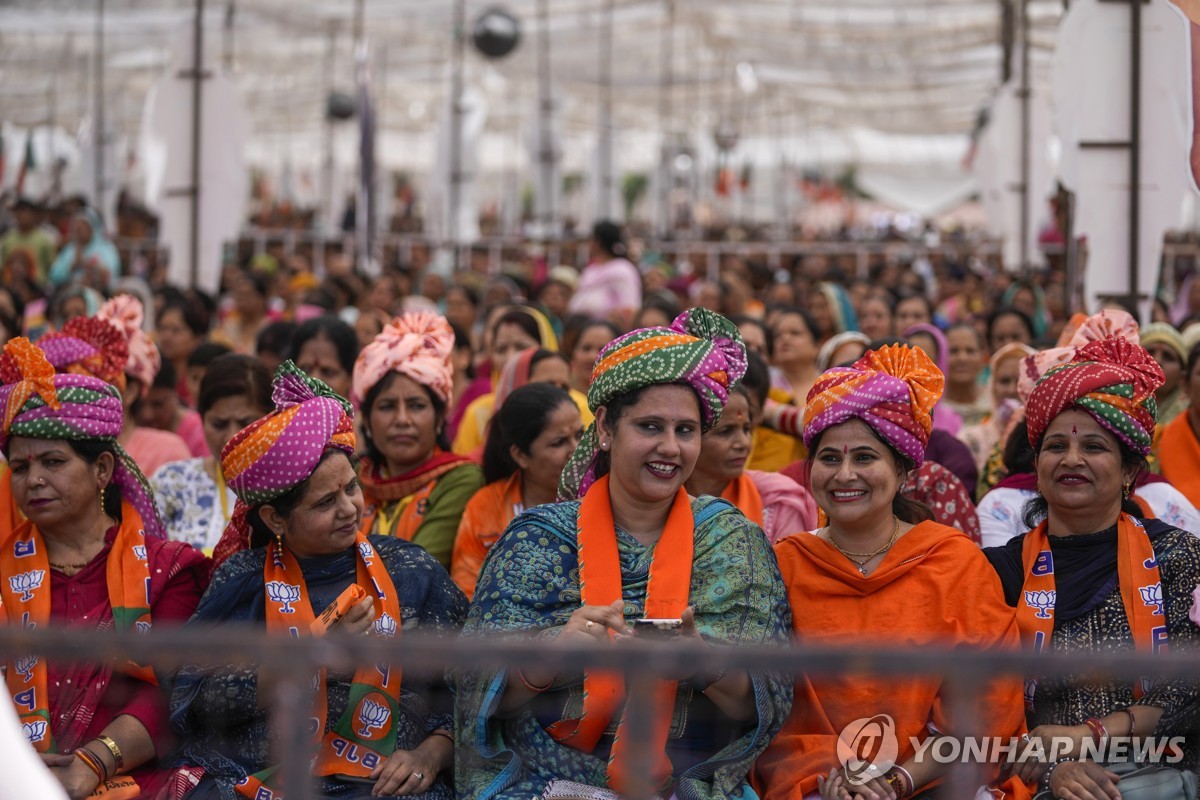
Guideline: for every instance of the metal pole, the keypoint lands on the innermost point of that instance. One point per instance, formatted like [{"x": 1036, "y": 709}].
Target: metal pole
[
  {"x": 664, "y": 116},
  {"x": 1135, "y": 146},
  {"x": 454, "y": 195},
  {"x": 604, "y": 209},
  {"x": 197, "y": 103},
  {"x": 329, "y": 67},
  {"x": 1026, "y": 136},
  {"x": 98, "y": 179},
  {"x": 547, "y": 222},
  {"x": 227, "y": 38}
]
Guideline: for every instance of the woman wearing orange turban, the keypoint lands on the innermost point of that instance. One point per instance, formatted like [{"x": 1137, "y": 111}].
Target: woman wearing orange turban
[{"x": 881, "y": 565}]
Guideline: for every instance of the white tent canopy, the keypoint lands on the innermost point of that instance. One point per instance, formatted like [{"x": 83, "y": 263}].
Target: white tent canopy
[{"x": 811, "y": 66}]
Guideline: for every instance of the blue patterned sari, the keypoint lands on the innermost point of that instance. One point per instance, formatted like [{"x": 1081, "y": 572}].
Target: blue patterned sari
[{"x": 529, "y": 587}]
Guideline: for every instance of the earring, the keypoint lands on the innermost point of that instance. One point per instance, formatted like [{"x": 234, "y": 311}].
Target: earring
[
  {"x": 1127, "y": 491},
  {"x": 279, "y": 540},
  {"x": 604, "y": 445}
]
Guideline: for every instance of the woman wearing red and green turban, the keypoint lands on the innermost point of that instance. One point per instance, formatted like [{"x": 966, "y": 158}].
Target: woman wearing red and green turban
[
  {"x": 90, "y": 555},
  {"x": 1094, "y": 578}
]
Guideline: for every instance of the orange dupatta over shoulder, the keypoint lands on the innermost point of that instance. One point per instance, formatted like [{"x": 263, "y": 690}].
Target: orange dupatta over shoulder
[
  {"x": 746, "y": 498},
  {"x": 600, "y": 585}
]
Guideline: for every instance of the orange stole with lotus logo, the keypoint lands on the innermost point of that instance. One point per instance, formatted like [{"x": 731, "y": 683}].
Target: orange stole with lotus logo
[
  {"x": 365, "y": 735},
  {"x": 1141, "y": 594}
]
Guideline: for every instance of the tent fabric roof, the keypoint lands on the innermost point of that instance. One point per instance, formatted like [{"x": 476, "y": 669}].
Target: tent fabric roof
[{"x": 922, "y": 67}]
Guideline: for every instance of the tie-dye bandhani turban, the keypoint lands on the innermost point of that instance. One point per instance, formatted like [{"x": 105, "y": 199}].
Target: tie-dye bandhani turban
[
  {"x": 273, "y": 455},
  {"x": 85, "y": 346},
  {"x": 701, "y": 350},
  {"x": 42, "y": 404},
  {"x": 1112, "y": 379},
  {"x": 126, "y": 312},
  {"x": 892, "y": 389},
  {"x": 417, "y": 345}
]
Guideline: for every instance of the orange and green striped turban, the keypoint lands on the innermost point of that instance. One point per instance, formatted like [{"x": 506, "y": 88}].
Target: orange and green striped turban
[
  {"x": 273, "y": 455},
  {"x": 1112, "y": 379},
  {"x": 892, "y": 389},
  {"x": 701, "y": 350}
]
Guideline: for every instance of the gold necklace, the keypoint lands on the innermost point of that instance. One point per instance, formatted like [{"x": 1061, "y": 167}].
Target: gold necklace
[{"x": 866, "y": 557}]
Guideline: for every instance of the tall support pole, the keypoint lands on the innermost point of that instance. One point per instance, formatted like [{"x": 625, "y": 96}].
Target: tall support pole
[
  {"x": 1026, "y": 138},
  {"x": 604, "y": 209},
  {"x": 1135, "y": 146},
  {"x": 458, "y": 64},
  {"x": 326, "y": 199},
  {"x": 98, "y": 136},
  {"x": 197, "y": 110},
  {"x": 227, "y": 38},
  {"x": 547, "y": 197},
  {"x": 665, "y": 91}
]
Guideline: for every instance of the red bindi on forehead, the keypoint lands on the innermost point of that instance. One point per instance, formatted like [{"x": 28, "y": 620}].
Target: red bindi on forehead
[{"x": 1074, "y": 430}]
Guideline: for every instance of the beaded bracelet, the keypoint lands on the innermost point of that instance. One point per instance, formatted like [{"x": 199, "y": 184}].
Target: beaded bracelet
[
  {"x": 1132, "y": 719},
  {"x": 1045, "y": 783},
  {"x": 900, "y": 780}
]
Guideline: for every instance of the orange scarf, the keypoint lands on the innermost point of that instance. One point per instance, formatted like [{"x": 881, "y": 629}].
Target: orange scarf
[
  {"x": 1141, "y": 594},
  {"x": 365, "y": 735},
  {"x": 601, "y": 585},
  {"x": 745, "y": 497},
  {"x": 1179, "y": 456},
  {"x": 25, "y": 600}
]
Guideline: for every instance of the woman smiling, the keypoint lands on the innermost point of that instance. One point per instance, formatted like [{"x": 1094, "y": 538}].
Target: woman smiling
[
  {"x": 629, "y": 543},
  {"x": 1093, "y": 578},
  {"x": 880, "y": 564}
]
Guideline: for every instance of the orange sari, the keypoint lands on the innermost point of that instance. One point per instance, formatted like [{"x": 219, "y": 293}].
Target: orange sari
[{"x": 933, "y": 588}]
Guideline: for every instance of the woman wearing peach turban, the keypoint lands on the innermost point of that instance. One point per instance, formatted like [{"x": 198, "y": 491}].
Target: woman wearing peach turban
[
  {"x": 413, "y": 486},
  {"x": 881, "y": 565},
  {"x": 1093, "y": 578},
  {"x": 149, "y": 447}
]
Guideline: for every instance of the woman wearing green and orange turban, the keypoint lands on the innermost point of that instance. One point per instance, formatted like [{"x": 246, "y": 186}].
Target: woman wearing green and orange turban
[
  {"x": 90, "y": 555},
  {"x": 298, "y": 551},
  {"x": 629, "y": 543}
]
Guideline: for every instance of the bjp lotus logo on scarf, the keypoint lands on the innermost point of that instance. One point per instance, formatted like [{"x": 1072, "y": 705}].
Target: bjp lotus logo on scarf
[
  {"x": 367, "y": 552},
  {"x": 139, "y": 552},
  {"x": 867, "y": 748},
  {"x": 372, "y": 715},
  {"x": 26, "y": 582},
  {"x": 285, "y": 594},
  {"x": 1043, "y": 601},
  {"x": 141, "y": 626},
  {"x": 1152, "y": 597},
  {"x": 34, "y": 731},
  {"x": 385, "y": 626},
  {"x": 24, "y": 666}
]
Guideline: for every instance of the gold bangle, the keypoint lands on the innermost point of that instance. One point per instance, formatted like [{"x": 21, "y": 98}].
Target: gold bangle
[{"x": 108, "y": 742}]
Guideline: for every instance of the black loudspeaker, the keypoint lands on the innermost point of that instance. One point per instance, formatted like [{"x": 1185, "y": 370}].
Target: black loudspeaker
[{"x": 497, "y": 33}]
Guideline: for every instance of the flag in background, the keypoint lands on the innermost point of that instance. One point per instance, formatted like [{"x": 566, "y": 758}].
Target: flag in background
[{"x": 28, "y": 164}]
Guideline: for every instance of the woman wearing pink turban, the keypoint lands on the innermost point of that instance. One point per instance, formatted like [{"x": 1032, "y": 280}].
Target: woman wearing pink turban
[
  {"x": 149, "y": 447},
  {"x": 413, "y": 486}
]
